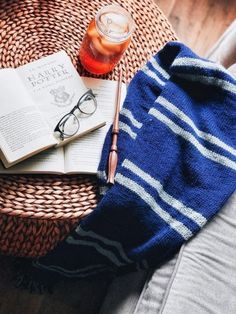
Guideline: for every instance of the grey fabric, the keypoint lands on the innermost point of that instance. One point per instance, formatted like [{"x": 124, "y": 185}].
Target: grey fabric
[
  {"x": 224, "y": 51},
  {"x": 204, "y": 280},
  {"x": 155, "y": 288},
  {"x": 124, "y": 293}
]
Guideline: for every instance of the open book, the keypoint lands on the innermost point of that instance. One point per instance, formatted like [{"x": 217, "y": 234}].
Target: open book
[
  {"x": 83, "y": 154},
  {"x": 34, "y": 98}
]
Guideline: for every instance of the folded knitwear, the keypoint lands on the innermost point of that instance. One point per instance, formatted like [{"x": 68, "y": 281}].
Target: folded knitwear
[{"x": 176, "y": 169}]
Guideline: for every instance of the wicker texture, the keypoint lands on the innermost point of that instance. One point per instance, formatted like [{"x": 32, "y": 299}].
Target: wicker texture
[{"x": 36, "y": 212}]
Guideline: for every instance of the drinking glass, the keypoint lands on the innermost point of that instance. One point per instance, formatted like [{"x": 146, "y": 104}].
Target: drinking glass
[{"x": 107, "y": 37}]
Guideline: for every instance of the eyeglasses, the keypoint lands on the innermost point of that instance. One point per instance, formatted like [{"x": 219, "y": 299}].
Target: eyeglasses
[{"x": 69, "y": 123}]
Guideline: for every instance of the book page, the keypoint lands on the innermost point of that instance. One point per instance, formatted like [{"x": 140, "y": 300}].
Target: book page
[
  {"x": 56, "y": 87},
  {"x": 23, "y": 130},
  {"x": 83, "y": 155},
  {"x": 50, "y": 161}
]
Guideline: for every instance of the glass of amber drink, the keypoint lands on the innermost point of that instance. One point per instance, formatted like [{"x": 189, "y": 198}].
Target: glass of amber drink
[{"x": 107, "y": 37}]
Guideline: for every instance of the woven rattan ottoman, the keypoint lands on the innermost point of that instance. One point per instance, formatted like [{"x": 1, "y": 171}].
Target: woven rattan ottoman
[{"x": 38, "y": 211}]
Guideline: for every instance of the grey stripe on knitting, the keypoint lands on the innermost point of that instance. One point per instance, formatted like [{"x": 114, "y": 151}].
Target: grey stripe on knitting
[
  {"x": 167, "y": 198},
  {"x": 159, "y": 68},
  {"x": 152, "y": 75},
  {"x": 103, "y": 189},
  {"x": 148, "y": 199},
  {"x": 128, "y": 114},
  {"x": 105, "y": 252},
  {"x": 79, "y": 272},
  {"x": 190, "y": 138},
  {"x": 115, "y": 244},
  {"x": 102, "y": 175},
  {"x": 210, "y": 80},
  {"x": 74, "y": 271},
  {"x": 198, "y": 63},
  {"x": 89, "y": 273},
  {"x": 126, "y": 128},
  {"x": 206, "y": 136}
]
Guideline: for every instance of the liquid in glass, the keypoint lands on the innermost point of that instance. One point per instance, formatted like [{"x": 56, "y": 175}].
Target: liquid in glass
[{"x": 107, "y": 37}]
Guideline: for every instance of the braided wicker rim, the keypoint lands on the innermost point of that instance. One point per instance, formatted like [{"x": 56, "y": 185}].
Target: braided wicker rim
[{"x": 38, "y": 211}]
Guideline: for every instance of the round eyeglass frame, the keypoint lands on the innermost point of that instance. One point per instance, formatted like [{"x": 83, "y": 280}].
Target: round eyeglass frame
[{"x": 61, "y": 124}]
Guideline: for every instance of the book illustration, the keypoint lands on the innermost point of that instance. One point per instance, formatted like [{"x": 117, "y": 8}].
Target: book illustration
[{"x": 61, "y": 98}]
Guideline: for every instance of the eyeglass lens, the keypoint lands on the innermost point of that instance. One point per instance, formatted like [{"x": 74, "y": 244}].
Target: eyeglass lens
[
  {"x": 87, "y": 104},
  {"x": 69, "y": 125}
]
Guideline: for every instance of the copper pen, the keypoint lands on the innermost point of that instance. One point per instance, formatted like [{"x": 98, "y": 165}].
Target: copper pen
[{"x": 113, "y": 155}]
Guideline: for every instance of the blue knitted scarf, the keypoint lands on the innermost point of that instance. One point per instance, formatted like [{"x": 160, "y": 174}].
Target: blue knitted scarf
[{"x": 177, "y": 167}]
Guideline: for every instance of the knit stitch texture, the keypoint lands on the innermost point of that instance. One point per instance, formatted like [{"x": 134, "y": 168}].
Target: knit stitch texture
[{"x": 177, "y": 168}]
